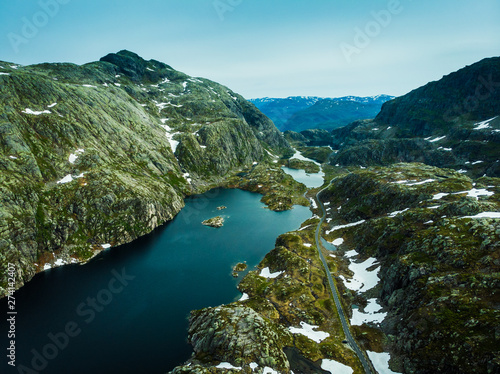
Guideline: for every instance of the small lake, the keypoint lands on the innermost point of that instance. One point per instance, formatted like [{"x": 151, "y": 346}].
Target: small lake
[
  {"x": 311, "y": 180},
  {"x": 127, "y": 308}
]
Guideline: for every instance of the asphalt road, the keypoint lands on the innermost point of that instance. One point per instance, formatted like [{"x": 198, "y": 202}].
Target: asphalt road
[{"x": 333, "y": 289}]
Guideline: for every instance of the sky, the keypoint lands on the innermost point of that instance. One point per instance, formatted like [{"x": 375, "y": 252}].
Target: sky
[{"x": 264, "y": 48}]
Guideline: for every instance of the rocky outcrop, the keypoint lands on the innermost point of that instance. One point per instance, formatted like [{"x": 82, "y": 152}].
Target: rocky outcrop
[{"x": 236, "y": 335}]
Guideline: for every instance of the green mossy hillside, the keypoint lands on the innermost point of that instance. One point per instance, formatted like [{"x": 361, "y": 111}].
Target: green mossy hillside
[{"x": 103, "y": 153}]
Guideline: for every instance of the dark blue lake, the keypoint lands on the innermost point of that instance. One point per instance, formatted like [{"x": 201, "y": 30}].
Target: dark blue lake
[{"x": 126, "y": 310}]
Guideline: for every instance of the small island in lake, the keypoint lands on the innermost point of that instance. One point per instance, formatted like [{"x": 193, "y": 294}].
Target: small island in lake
[
  {"x": 238, "y": 268},
  {"x": 214, "y": 222},
  {"x": 222, "y": 207}
]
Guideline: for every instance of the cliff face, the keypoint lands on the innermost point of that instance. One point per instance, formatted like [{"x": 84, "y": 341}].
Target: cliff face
[{"x": 100, "y": 154}]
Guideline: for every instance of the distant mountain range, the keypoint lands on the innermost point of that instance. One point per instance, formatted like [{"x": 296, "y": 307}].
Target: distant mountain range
[{"x": 298, "y": 113}]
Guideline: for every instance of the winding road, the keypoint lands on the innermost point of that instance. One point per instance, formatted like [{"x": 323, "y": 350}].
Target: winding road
[{"x": 333, "y": 289}]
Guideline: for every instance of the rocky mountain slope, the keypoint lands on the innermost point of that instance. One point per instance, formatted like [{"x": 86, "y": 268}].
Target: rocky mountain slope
[
  {"x": 433, "y": 236},
  {"x": 449, "y": 123},
  {"x": 302, "y": 113},
  {"x": 97, "y": 155}
]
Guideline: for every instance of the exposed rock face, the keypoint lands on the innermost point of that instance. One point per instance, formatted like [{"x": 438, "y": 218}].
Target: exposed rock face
[
  {"x": 236, "y": 335},
  {"x": 103, "y": 153}
]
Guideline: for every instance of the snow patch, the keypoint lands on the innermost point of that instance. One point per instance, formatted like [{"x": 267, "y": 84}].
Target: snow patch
[
  {"x": 422, "y": 182},
  {"x": 362, "y": 279},
  {"x": 186, "y": 177},
  {"x": 335, "y": 228},
  {"x": 381, "y": 362},
  {"x": 439, "y": 196},
  {"x": 244, "y": 297},
  {"x": 106, "y": 246},
  {"x": 335, "y": 367},
  {"x": 485, "y": 215},
  {"x": 305, "y": 227},
  {"x": 265, "y": 273},
  {"x": 268, "y": 370},
  {"x": 371, "y": 314},
  {"x": 313, "y": 203},
  {"x": 36, "y": 113},
  {"x": 170, "y": 137},
  {"x": 308, "y": 331},
  {"x": 227, "y": 365},
  {"x": 476, "y": 193},
  {"x": 484, "y": 124},
  {"x": 338, "y": 242},
  {"x": 69, "y": 178},
  {"x": 74, "y": 156},
  {"x": 394, "y": 214},
  {"x": 435, "y": 139}
]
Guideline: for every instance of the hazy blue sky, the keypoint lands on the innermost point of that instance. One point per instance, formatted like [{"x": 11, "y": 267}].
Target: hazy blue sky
[{"x": 259, "y": 48}]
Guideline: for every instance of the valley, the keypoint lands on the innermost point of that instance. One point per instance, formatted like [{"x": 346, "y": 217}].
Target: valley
[{"x": 397, "y": 270}]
